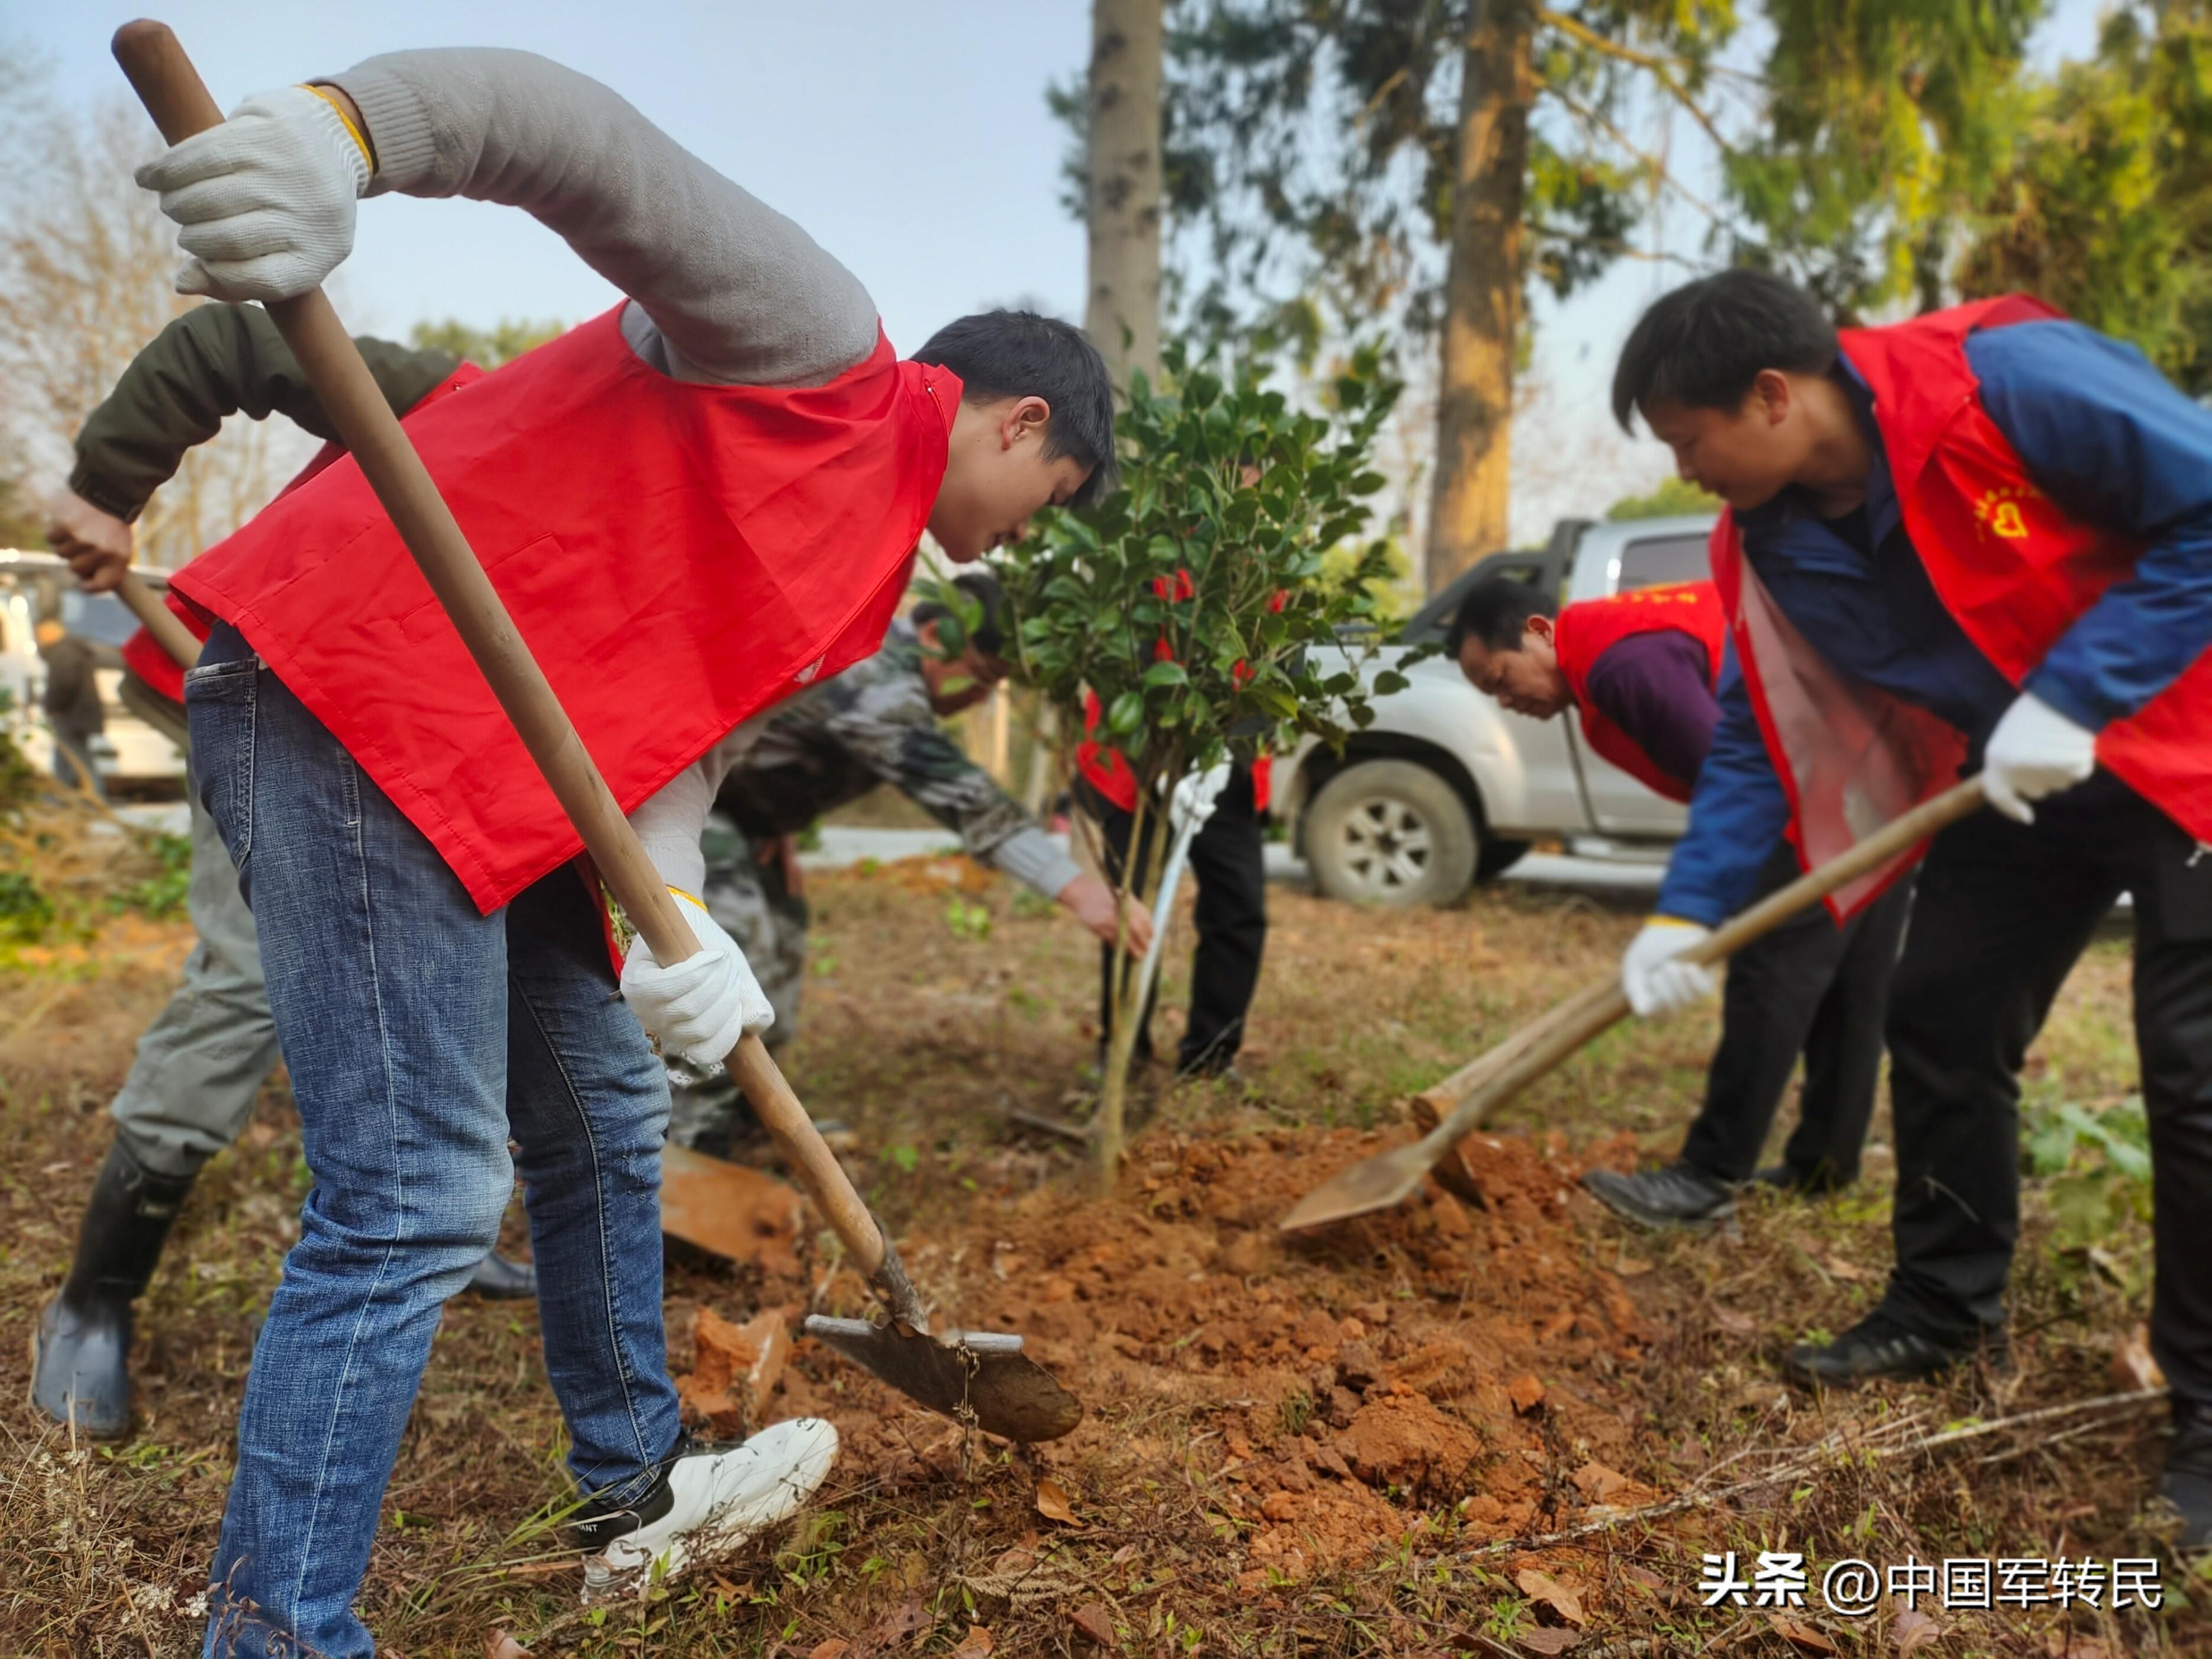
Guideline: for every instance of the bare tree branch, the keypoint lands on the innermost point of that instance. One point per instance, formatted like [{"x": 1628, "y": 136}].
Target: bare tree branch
[
  {"x": 1660, "y": 170},
  {"x": 1659, "y": 67}
]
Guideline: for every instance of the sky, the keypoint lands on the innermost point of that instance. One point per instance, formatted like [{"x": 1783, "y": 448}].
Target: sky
[{"x": 909, "y": 138}]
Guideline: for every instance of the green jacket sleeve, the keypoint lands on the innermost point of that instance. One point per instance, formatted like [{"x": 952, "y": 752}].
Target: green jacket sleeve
[{"x": 215, "y": 361}]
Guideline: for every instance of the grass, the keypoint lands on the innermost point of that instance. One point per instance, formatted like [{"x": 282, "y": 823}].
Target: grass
[{"x": 920, "y": 1035}]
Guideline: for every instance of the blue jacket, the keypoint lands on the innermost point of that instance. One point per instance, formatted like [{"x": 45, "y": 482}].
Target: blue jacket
[{"x": 2106, "y": 436}]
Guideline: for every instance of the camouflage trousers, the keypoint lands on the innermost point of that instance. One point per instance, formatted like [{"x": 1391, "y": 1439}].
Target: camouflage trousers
[{"x": 769, "y": 922}]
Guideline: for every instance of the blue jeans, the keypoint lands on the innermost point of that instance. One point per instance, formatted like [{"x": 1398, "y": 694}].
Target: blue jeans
[{"x": 420, "y": 1036}]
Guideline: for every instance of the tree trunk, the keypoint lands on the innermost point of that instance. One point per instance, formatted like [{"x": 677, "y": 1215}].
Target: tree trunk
[
  {"x": 1482, "y": 290},
  {"x": 1122, "y": 311}
]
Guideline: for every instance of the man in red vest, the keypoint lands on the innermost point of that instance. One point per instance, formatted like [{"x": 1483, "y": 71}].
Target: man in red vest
[
  {"x": 692, "y": 505},
  {"x": 1640, "y": 669},
  {"x": 1978, "y": 540}
]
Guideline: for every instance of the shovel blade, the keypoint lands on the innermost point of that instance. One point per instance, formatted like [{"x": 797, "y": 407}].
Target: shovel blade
[
  {"x": 1377, "y": 1183},
  {"x": 981, "y": 1377}
]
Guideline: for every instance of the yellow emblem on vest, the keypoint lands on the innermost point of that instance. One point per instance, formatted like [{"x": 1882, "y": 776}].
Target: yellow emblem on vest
[{"x": 1999, "y": 512}]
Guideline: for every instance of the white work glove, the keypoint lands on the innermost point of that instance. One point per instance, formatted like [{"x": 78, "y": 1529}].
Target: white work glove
[
  {"x": 701, "y": 1006},
  {"x": 2034, "y": 751},
  {"x": 1655, "y": 981},
  {"x": 265, "y": 203},
  {"x": 1193, "y": 799}
]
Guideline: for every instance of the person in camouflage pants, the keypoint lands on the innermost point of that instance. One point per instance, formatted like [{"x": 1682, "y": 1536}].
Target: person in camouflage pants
[{"x": 831, "y": 744}]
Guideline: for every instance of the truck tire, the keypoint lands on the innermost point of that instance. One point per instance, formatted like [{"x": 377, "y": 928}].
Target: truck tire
[{"x": 1390, "y": 832}]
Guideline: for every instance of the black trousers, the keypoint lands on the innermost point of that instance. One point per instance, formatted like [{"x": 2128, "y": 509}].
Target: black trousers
[
  {"x": 1807, "y": 987},
  {"x": 1231, "y": 915},
  {"x": 2003, "y": 911}
]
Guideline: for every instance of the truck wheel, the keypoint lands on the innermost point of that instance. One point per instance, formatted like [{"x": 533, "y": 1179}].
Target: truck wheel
[{"x": 1390, "y": 832}]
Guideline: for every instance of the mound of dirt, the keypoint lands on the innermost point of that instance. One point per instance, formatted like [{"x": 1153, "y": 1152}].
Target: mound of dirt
[{"x": 1338, "y": 1388}]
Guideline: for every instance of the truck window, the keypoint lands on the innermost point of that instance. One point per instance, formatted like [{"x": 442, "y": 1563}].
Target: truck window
[{"x": 1660, "y": 560}]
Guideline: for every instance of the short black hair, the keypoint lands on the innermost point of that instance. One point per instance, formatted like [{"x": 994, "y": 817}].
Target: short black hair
[
  {"x": 1019, "y": 354},
  {"x": 1705, "y": 343},
  {"x": 981, "y": 586},
  {"x": 1495, "y": 611}
]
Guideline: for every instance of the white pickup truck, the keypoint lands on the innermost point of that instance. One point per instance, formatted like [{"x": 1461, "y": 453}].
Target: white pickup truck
[{"x": 1447, "y": 788}]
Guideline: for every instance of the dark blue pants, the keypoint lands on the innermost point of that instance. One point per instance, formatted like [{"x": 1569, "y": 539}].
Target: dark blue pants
[
  {"x": 2002, "y": 912},
  {"x": 420, "y": 1036},
  {"x": 1807, "y": 987}
]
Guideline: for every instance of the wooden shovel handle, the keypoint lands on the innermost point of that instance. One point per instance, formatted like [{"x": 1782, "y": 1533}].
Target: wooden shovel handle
[
  {"x": 177, "y": 99},
  {"x": 1541, "y": 1045},
  {"x": 171, "y": 635}
]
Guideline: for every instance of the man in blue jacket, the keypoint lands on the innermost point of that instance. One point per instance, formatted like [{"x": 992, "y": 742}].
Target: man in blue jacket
[{"x": 1980, "y": 539}]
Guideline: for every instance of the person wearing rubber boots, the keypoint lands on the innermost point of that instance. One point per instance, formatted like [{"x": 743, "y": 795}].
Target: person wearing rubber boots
[
  {"x": 692, "y": 505},
  {"x": 202, "y": 1062},
  {"x": 1978, "y": 540},
  {"x": 1642, "y": 669},
  {"x": 875, "y": 724}
]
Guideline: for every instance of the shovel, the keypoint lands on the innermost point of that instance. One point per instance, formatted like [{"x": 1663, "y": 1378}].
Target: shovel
[
  {"x": 1477, "y": 1089},
  {"x": 990, "y": 1385}
]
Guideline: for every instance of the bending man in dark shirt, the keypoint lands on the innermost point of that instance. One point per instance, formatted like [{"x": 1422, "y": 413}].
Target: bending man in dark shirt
[
  {"x": 1643, "y": 669},
  {"x": 201, "y": 1064}
]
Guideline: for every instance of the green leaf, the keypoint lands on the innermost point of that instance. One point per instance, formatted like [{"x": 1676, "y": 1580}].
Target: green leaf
[
  {"x": 1389, "y": 682},
  {"x": 1127, "y": 713},
  {"x": 1166, "y": 673}
]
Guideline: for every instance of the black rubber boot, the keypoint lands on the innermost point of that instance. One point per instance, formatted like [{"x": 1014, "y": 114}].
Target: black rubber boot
[
  {"x": 2186, "y": 1482},
  {"x": 1679, "y": 1196},
  {"x": 1878, "y": 1349},
  {"x": 82, "y": 1353},
  {"x": 497, "y": 1278}
]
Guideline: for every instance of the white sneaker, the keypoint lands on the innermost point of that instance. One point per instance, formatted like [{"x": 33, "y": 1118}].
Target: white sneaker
[{"x": 706, "y": 1503}]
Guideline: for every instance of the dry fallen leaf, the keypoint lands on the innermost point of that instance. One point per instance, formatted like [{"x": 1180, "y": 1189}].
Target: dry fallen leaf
[
  {"x": 1526, "y": 1393},
  {"x": 835, "y": 1648},
  {"x": 1843, "y": 1270},
  {"x": 902, "y": 1621},
  {"x": 1052, "y": 1503},
  {"x": 1093, "y": 1622},
  {"x": 975, "y": 1644},
  {"x": 1912, "y": 1629},
  {"x": 498, "y": 1644},
  {"x": 1599, "y": 1484},
  {"x": 1736, "y": 1323},
  {"x": 1546, "y": 1640},
  {"x": 1539, "y": 1586},
  {"x": 2133, "y": 1367},
  {"x": 1803, "y": 1636}
]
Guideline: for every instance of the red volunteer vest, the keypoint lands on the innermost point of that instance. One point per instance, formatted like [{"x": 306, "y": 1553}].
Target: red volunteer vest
[
  {"x": 1585, "y": 632},
  {"x": 677, "y": 555},
  {"x": 144, "y": 656},
  {"x": 2010, "y": 567}
]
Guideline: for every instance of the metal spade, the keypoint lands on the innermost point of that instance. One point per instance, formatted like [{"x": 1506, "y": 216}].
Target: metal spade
[{"x": 981, "y": 1379}]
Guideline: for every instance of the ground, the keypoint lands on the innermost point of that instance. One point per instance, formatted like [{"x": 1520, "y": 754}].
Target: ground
[{"x": 1443, "y": 1430}]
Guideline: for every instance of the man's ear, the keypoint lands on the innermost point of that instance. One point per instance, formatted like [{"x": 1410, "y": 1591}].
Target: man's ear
[
  {"x": 1541, "y": 627},
  {"x": 1023, "y": 419},
  {"x": 1772, "y": 391}
]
